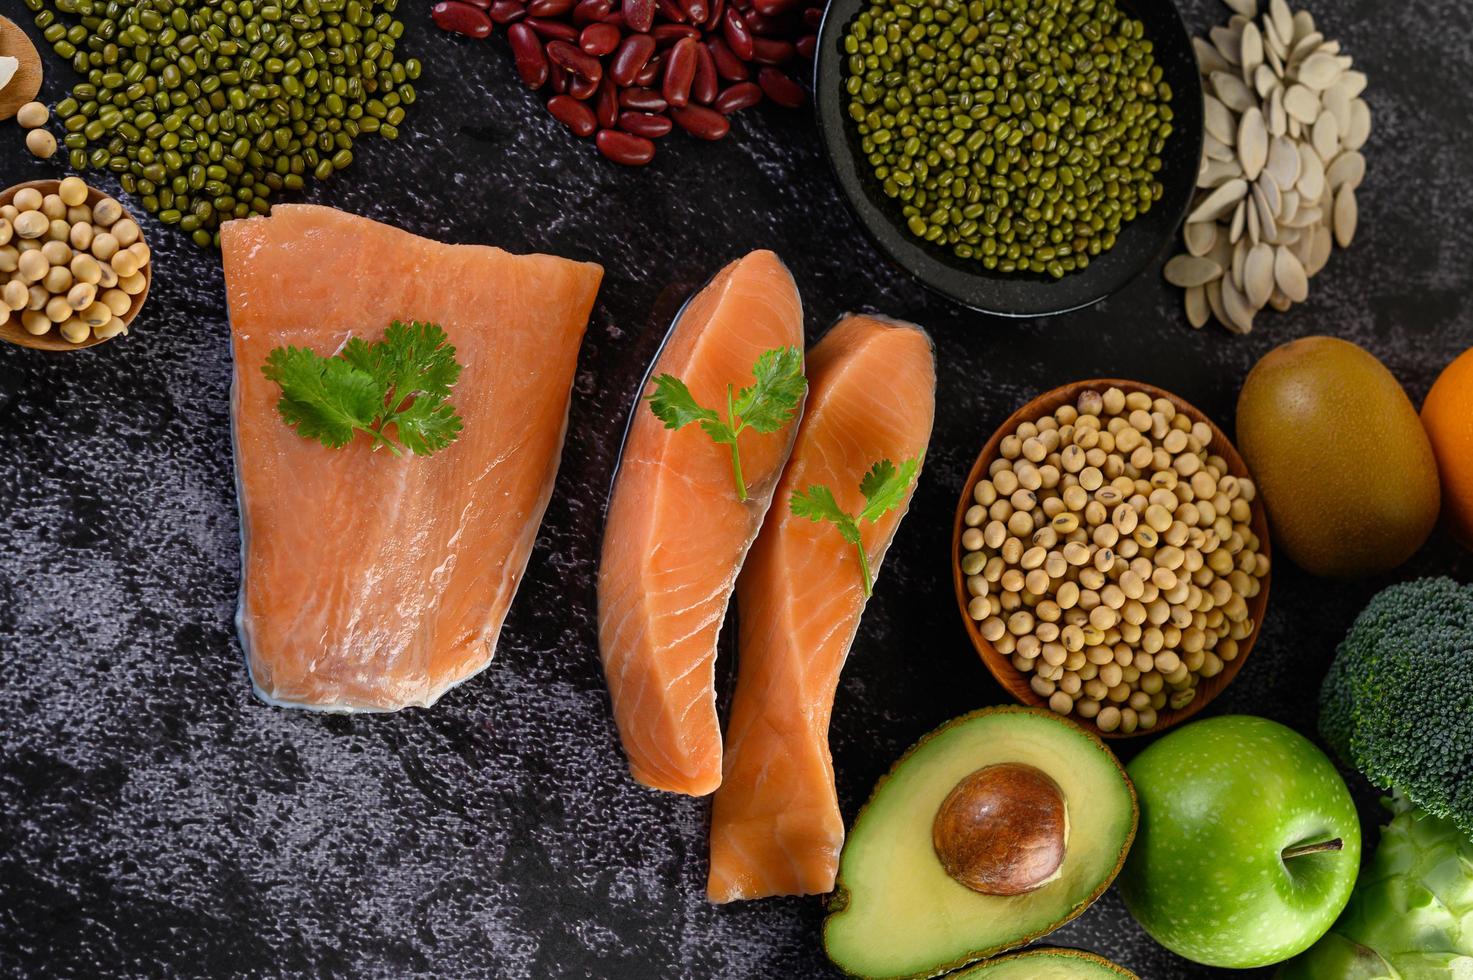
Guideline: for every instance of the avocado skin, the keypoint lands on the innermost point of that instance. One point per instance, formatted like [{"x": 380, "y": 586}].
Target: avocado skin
[{"x": 1344, "y": 467}]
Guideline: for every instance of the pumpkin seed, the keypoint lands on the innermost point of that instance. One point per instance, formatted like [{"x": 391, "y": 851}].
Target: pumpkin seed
[
  {"x": 1247, "y": 8},
  {"x": 1289, "y": 275},
  {"x": 1336, "y": 103},
  {"x": 1325, "y": 136},
  {"x": 1320, "y": 254},
  {"x": 1360, "y": 126},
  {"x": 1191, "y": 270},
  {"x": 1265, "y": 81},
  {"x": 1235, "y": 230},
  {"x": 1250, "y": 49},
  {"x": 1200, "y": 237},
  {"x": 1231, "y": 91},
  {"x": 1214, "y": 301},
  {"x": 1218, "y": 121},
  {"x": 1239, "y": 313},
  {"x": 1281, "y": 19},
  {"x": 1319, "y": 71},
  {"x": 1346, "y": 216},
  {"x": 1258, "y": 275},
  {"x": 1209, "y": 59},
  {"x": 1197, "y": 308},
  {"x": 1278, "y": 118},
  {"x": 1228, "y": 43},
  {"x": 1301, "y": 104},
  {"x": 1219, "y": 201},
  {"x": 1273, "y": 196},
  {"x": 1268, "y": 226},
  {"x": 1311, "y": 172},
  {"x": 1215, "y": 173},
  {"x": 1348, "y": 168},
  {"x": 1252, "y": 143}
]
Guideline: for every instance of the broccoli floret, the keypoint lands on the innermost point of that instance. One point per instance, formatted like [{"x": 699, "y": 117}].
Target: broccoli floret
[{"x": 1398, "y": 701}]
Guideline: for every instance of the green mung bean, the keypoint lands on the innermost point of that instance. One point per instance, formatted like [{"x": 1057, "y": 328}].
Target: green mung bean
[
  {"x": 1046, "y": 118},
  {"x": 205, "y": 107}
]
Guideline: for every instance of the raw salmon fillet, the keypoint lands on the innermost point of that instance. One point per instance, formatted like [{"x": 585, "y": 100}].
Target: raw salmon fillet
[
  {"x": 676, "y": 533},
  {"x": 775, "y": 822},
  {"x": 373, "y": 583}
]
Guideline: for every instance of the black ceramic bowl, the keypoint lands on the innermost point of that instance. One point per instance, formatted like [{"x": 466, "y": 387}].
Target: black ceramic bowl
[{"x": 1138, "y": 245}]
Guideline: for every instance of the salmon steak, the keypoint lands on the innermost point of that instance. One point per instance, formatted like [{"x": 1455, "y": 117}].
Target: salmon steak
[
  {"x": 776, "y": 828},
  {"x": 677, "y": 531},
  {"x": 373, "y": 582}
]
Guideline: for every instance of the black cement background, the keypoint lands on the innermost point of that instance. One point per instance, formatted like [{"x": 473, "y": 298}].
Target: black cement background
[{"x": 155, "y": 819}]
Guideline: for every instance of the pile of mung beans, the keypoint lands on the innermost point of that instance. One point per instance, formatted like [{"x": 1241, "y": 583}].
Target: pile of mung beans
[
  {"x": 629, "y": 72},
  {"x": 1023, "y": 134},
  {"x": 1109, "y": 553},
  {"x": 204, "y": 108}
]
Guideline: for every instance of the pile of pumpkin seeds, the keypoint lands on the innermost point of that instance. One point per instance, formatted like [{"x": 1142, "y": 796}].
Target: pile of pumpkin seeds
[
  {"x": 1023, "y": 134},
  {"x": 204, "y": 108},
  {"x": 1282, "y": 160}
]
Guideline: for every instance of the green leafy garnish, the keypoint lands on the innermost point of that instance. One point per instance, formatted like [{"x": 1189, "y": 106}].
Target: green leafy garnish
[
  {"x": 765, "y": 407},
  {"x": 403, "y": 380},
  {"x": 884, "y": 488}
]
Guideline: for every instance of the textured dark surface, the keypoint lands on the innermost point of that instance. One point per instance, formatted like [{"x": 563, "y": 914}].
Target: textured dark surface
[{"x": 156, "y": 819}]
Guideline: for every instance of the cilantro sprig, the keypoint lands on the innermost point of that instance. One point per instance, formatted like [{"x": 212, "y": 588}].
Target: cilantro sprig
[
  {"x": 765, "y": 406},
  {"x": 402, "y": 381},
  {"x": 884, "y": 488}
]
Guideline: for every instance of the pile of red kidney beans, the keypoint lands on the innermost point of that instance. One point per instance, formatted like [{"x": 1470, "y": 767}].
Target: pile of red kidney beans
[{"x": 627, "y": 72}]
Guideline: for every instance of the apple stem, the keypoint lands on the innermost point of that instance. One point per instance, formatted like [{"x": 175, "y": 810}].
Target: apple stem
[{"x": 1322, "y": 847}]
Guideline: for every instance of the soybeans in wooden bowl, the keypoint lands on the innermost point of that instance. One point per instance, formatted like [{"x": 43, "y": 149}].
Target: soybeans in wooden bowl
[
  {"x": 74, "y": 269},
  {"x": 1111, "y": 557}
]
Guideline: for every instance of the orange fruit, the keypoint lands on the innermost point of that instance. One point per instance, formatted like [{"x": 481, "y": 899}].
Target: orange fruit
[{"x": 1448, "y": 417}]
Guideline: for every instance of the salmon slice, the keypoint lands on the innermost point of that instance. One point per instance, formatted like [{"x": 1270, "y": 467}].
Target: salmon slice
[
  {"x": 370, "y": 582},
  {"x": 676, "y": 533},
  {"x": 775, "y": 822}
]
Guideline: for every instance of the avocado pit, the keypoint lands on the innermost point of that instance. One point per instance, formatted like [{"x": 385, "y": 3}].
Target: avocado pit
[{"x": 1002, "y": 830}]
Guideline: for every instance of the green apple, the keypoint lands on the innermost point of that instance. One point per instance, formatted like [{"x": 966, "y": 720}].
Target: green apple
[{"x": 1248, "y": 844}]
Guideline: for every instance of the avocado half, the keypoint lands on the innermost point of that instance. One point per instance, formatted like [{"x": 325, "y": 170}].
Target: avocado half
[
  {"x": 1046, "y": 963},
  {"x": 897, "y": 913}
]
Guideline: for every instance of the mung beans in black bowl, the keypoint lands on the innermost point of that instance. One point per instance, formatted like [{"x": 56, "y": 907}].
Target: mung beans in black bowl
[{"x": 1022, "y": 157}]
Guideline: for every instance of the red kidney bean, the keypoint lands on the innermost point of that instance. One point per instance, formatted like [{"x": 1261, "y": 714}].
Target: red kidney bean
[
  {"x": 713, "y": 19},
  {"x": 527, "y": 51},
  {"x": 806, "y": 46},
  {"x": 625, "y": 148},
  {"x": 738, "y": 36},
  {"x": 671, "y": 11},
  {"x": 591, "y": 12},
  {"x": 813, "y": 17},
  {"x": 507, "y": 11},
  {"x": 582, "y": 88},
  {"x": 728, "y": 65},
  {"x": 598, "y": 40},
  {"x": 639, "y": 15},
  {"x": 735, "y": 98},
  {"x": 552, "y": 30},
  {"x": 647, "y": 124},
  {"x": 766, "y": 51},
  {"x": 695, "y": 10},
  {"x": 764, "y": 26},
  {"x": 642, "y": 100},
  {"x": 461, "y": 18},
  {"x": 680, "y": 72},
  {"x": 606, "y": 106},
  {"x": 650, "y": 73},
  {"x": 482, "y": 4},
  {"x": 571, "y": 58},
  {"x": 630, "y": 58},
  {"x": 558, "y": 79},
  {"x": 549, "y": 8},
  {"x": 773, "y": 8},
  {"x": 780, "y": 88},
  {"x": 704, "y": 86},
  {"x": 668, "y": 34},
  {"x": 572, "y": 114},
  {"x": 700, "y": 122}
]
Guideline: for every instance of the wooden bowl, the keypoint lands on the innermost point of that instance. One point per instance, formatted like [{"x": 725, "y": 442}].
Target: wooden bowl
[
  {"x": 1001, "y": 665},
  {"x": 14, "y": 333},
  {"x": 26, "y": 84}
]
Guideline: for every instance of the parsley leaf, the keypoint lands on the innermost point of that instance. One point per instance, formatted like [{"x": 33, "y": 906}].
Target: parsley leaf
[
  {"x": 402, "y": 380},
  {"x": 884, "y": 488},
  {"x": 764, "y": 407}
]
